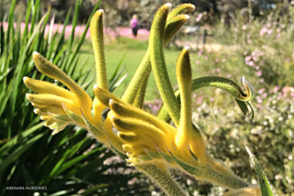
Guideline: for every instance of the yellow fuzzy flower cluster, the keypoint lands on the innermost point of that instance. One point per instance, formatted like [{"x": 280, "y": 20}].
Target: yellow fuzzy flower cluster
[{"x": 148, "y": 142}]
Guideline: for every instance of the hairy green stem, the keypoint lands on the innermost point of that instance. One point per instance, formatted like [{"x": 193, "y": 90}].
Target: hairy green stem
[{"x": 162, "y": 178}]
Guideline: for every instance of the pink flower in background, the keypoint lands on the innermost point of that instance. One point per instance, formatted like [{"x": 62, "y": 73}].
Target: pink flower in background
[
  {"x": 218, "y": 69},
  {"x": 223, "y": 60},
  {"x": 245, "y": 53},
  {"x": 206, "y": 57},
  {"x": 250, "y": 63},
  {"x": 229, "y": 75},
  {"x": 278, "y": 29},
  {"x": 248, "y": 36},
  {"x": 217, "y": 60},
  {"x": 244, "y": 27},
  {"x": 263, "y": 31},
  {"x": 199, "y": 100},
  {"x": 261, "y": 90},
  {"x": 261, "y": 80},
  {"x": 211, "y": 99},
  {"x": 257, "y": 67},
  {"x": 264, "y": 95},
  {"x": 258, "y": 73},
  {"x": 200, "y": 52},
  {"x": 270, "y": 31},
  {"x": 194, "y": 95},
  {"x": 255, "y": 59},
  {"x": 276, "y": 88},
  {"x": 259, "y": 100},
  {"x": 199, "y": 17},
  {"x": 269, "y": 25},
  {"x": 247, "y": 59},
  {"x": 197, "y": 62}
]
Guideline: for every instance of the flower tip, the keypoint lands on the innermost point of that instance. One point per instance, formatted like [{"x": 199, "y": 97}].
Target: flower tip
[
  {"x": 55, "y": 132},
  {"x": 187, "y": 48},
  {"x": 242, "y": 79},
  {"x": 110, "y": 101},
  {"x": 36, "y": 111},
  {"x": 101, "y": 10},
  {"x": 35, "y": 54},
  {"x": 95, "y": 86},
  {"x": 28, "y": 96},
  {"x": 169, "y": 5},
  {"x": 187, "y": 16},
  {"x": 24, "y": 79}
]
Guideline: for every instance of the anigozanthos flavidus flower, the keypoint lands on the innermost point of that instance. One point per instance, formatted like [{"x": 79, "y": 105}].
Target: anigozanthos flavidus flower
[
  {"x": 151, "y": 144},
  {"x": 59, "y": 107}
]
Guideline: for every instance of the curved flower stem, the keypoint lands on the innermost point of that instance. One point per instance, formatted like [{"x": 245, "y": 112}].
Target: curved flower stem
[
  {"x": 139, "y": 100},
  {"x": 218, "y": 82}
]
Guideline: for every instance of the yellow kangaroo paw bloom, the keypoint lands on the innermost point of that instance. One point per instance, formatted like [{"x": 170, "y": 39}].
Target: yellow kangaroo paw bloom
[
  {"x": 49, "y": 122},
  {"x": 188, "y": 135},
  {"x": 52, "y": 109},
  {"x": 126, "y": 110},
  {"x": 39, "y": 112},
  {"x": 42, "y": 87},
  {"x": 158, "y": 63},
  {"x": 144, "y": 68},
  {"x": 133, "y": 149},
  {"x": 46, "y": 117},
  {"x": 40, "y": 106},
  {"x": 184, "y": 78},
  {"x": 129, "y": 125},
  {"x": 47, "y": 99},
  {"x": 185, "y": 8},
  {"x": 51, "y": 70},
  {"x": 97, "y": 37}
]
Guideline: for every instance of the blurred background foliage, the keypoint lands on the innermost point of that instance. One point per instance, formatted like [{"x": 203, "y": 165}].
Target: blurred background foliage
[{"x": 242, "y": 38}]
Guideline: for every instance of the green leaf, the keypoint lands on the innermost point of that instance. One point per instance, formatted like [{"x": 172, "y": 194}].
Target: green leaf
[{"x": 264, "y": 184}]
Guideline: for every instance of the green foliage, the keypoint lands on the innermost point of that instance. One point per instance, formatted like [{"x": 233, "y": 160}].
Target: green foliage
[{"x": 30, "y": 156}]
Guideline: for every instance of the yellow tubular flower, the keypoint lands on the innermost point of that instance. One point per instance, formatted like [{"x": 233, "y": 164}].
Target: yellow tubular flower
[
  {"x": 141, "y": 129},
  {"x": 59, "y": 107},
  {"x": 82, "y": 99}
]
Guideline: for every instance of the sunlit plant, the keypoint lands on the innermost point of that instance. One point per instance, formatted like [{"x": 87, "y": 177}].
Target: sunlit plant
[{"x": 149, "y": 143}]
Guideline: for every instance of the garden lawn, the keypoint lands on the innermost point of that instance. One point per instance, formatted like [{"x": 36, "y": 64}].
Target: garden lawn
[{"x": 130, "y": 64}]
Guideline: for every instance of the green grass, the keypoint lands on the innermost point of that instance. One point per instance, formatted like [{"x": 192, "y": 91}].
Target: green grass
[{"x": 131, "y": 62}]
